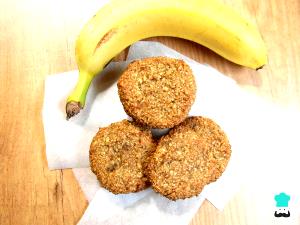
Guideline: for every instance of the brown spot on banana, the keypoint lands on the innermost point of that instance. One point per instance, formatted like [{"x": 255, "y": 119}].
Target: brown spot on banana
[{"x": 105, "y": 38}]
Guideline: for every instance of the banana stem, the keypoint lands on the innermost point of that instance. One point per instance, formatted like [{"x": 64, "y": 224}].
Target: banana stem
[{"x": 76, "y": 99}]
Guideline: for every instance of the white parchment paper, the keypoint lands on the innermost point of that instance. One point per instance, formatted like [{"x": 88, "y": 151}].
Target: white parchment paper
[{"x": 254, "y": 127}]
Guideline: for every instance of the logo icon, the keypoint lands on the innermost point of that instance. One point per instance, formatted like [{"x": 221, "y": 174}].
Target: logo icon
[{"x": 282, "y": 204}]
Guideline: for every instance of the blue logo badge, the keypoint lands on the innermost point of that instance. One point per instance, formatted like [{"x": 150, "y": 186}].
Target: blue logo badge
[{"x": 282, "y": 204}]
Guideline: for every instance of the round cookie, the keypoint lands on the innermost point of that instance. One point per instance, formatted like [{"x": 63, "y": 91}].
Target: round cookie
[
  {"x": 119, "y": 155},
  {"x": 193, "y": 154},
  {"x": 157, "y": 92}
]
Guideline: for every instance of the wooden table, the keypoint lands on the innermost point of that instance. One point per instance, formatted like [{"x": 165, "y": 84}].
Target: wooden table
[{"x": 37, "y": 38}]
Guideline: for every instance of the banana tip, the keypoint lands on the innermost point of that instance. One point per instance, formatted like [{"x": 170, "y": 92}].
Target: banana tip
[
  {"x": 72, "y": 109},
  {"x": 259, "y": 68}
]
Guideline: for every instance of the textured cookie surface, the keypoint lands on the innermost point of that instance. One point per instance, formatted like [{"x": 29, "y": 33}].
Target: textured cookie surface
[
  {"x": 193, "y": 154},
  {"x": 119, "y": 155},
  {"x": 157, "y": 92}
]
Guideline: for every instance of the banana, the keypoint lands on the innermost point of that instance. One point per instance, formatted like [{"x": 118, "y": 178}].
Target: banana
[{"x": 121, "y": 23}]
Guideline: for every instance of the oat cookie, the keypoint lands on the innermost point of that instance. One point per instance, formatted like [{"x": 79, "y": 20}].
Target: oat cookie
[
  {"x": 119, "y": 154},
  {"x": 157, "y": 92},
  {"x": 193, "y": 154}
]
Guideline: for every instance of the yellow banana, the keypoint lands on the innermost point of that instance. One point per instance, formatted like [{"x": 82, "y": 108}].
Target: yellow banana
[{"x": 121, "y": 23}]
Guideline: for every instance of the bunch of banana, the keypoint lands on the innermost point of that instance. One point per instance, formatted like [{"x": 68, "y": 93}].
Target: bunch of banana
[{"x": 121, "y": 23}]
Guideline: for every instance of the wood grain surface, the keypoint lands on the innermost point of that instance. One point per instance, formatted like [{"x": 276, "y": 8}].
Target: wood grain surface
[{"x": 37, "y": 38}]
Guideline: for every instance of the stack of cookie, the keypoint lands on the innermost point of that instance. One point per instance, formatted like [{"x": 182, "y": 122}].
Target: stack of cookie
[{"x": 158, "y": 93}]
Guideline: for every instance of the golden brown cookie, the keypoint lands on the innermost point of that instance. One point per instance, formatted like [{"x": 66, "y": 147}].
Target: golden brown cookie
[
  {"x": 193, "y": 154},
  {"x": 119, "y": 154},
  {"x": 157, "y": 92}
]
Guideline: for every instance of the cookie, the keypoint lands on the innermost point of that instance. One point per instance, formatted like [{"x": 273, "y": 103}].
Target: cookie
[
  {"x": 193, "y": 154},
  {"x": 119, "y": 155},
  {"x": 157, "y": 92}
]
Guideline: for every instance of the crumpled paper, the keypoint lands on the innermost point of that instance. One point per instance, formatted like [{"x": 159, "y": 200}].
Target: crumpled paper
[
  {"x": 68, "y": 148},
  {"x": 218, "y": 97},
  {"x": 67, "y": 142},
  {"x": 152, "y": 209}
]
